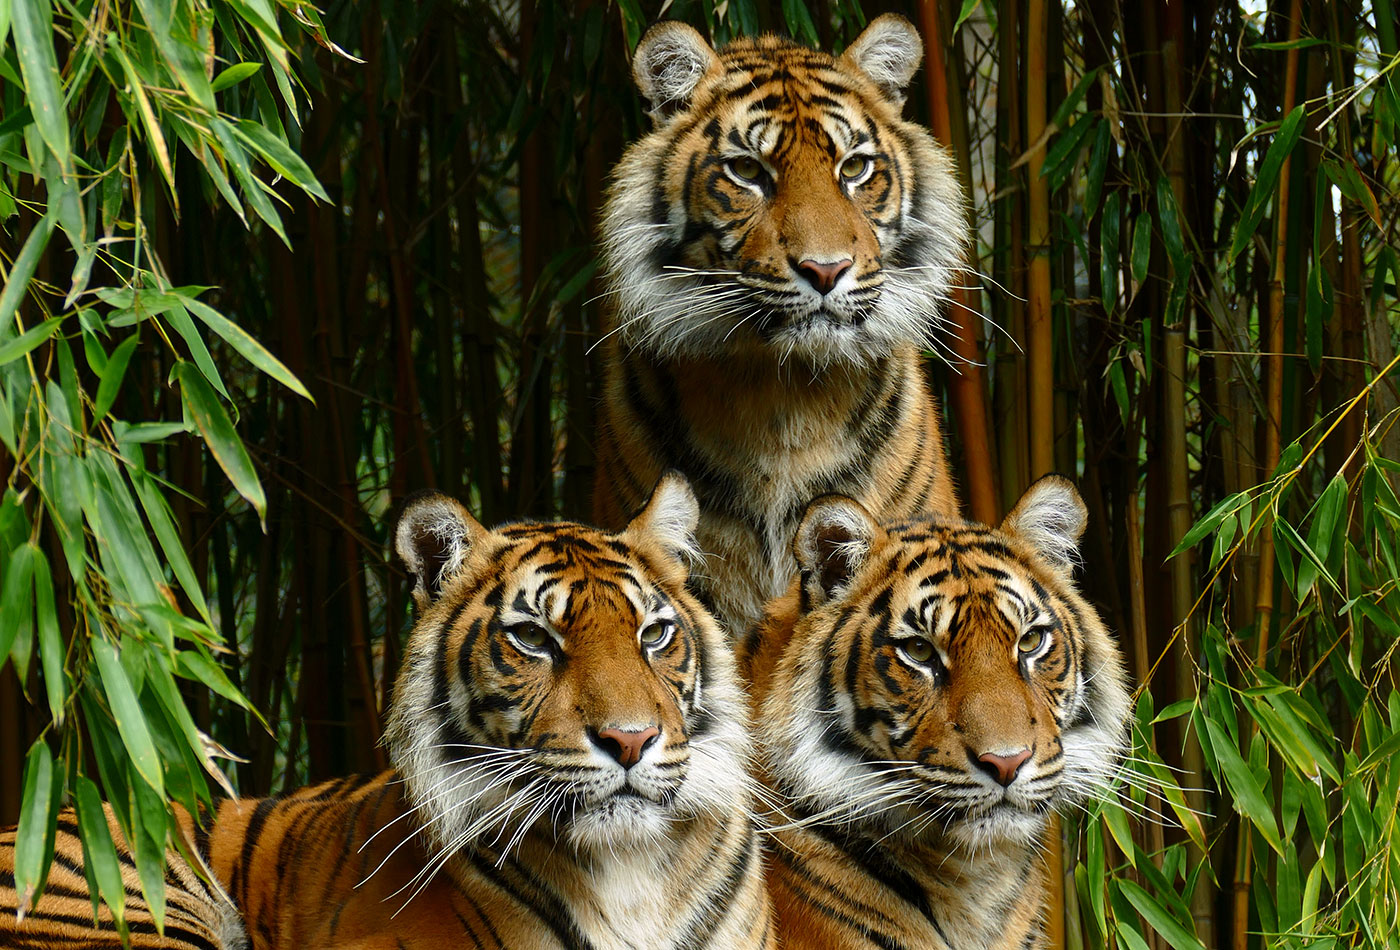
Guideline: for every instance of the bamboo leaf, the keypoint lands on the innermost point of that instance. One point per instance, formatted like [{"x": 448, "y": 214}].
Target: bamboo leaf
[
  {"x": 126, "y": 712},
  {"x": 1158, "y": 917},
  {"x": 33, "y": 29},
  {"x": 1098, "y": 167},
  {"x": 233, "y": 75},
  {"x": 1207, "y": 524},
  {"x": 197, "y": 666},
  {"x": 1108, "y": 250},
  {"x": 181, "y": 58},
  {"x": 28, "y": 340},
  {"x": 179, "y": 318},
  {"x": 17, "y": 605},
  {"x": 17, "y": 281},
  {"x": 1263, "y": 190},
  {"x": 1249, "y": 800},
  {"x": 214, "y": 425},
  {"x": 155, "y": 138},
  {"x": 43, "y": 790},
  {"x": 51, "y": 649},
  {"x": 280, "y": 156},
  {"x": 967, "y": 9},
  {"x": 238, "y": 161},
  {"x": 112, "y": 377},
  {"x": 99, "y": 851},
  {"x": 1142, "y": 247},
  {"x": 242, "y": 341}
]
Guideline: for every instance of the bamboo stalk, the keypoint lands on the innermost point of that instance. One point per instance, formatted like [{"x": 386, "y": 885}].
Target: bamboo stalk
[
  {"x": 1042, "y": 378},
  {"x": 1273, "y": 424},
  {"x": 967, "y": 385},
  {"x": 1009, "y": 393},
  {"x": 1039, "y": 332}
]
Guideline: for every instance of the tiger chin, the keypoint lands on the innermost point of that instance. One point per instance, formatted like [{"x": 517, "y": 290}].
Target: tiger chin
[
  {"x": 570, "y": 749},
  {"x": 779, "y": 251},
  {"x": 925, "y": 697}
]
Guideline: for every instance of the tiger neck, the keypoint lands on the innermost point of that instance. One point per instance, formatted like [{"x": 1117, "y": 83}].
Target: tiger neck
[
  {"x": 755, "y": 401},
  {"x": 984, "y": 897}
]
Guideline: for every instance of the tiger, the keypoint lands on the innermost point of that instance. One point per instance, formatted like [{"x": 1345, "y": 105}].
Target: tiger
[
  {"x": 778, "y": 251},
  {"x": 198, "y": 913},
  {"x": 570, "y": 754},
  {"x": 925, "y": 695}
]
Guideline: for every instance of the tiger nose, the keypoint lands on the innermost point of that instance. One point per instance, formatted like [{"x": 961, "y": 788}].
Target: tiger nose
[
  {"x": 625, "y": 745},
  {"x": 823, "y": 276},
  {"x": 1003, "y": 768}
]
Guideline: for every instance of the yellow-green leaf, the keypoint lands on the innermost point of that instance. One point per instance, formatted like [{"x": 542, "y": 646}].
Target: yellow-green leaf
[
  {"x": 126, "y": 711},
  {"x": 214, "y": 425}
]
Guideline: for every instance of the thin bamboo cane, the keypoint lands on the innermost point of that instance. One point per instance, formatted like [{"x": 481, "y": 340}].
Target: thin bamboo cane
[
  {"x": 1042, "y": 378},
  {"x": 1273, "y": 422},
  {"x": 967, "y": 385}
]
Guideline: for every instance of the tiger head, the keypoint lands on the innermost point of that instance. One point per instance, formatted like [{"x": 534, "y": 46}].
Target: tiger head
[
  {"x": 940, "y": 676},
  {"x": 556, "y": 673},
  {"x": 781, "y": 205}
]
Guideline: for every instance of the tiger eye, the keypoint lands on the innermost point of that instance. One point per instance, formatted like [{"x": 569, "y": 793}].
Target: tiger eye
[
  {"x": 530, "y": 634},
  {"x": 656, "y": 633},
  {"x": 1031, "y": 640},
  {"x": 746, "y": 167},
  {"x": 854, "y": 167},
  {"x": 919, "y": 649}
]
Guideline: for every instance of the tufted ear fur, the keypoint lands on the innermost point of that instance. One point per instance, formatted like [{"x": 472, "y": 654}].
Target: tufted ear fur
[
  {"x": 1050, "y": 517},
  {"x": 669, "y": 518},
  {"x": 834, "y": 540},
  {"x": 889, "y": 51},
  {"x": 433, "y": 537},
  {"x": 670, "y": 61}
]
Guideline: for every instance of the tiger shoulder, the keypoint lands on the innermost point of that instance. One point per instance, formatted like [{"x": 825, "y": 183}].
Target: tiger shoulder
[
  {"x": 925, "y": 697},
  {"x": 779, "y": 251}
]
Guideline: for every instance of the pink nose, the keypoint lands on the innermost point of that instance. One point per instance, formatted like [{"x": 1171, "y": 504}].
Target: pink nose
[
  {"x": 823, "y": 276},
  {"x": 626, "y": 745},
  {"x": 1003, "y": 768}
]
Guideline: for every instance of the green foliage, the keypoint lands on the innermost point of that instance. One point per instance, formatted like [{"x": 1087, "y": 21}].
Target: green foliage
[{"x": 96, "y": 97}]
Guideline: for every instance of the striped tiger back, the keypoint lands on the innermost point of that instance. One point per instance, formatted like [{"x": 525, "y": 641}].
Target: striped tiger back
[
  {"x": 198, "y": 916},
  {"x": 779, "y": 250},
  {"x": 925, "y": 696}
]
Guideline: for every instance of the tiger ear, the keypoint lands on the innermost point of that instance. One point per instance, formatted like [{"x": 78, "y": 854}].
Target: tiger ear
[
  {"x": 669, "y": 519},
  {"x": 1050, "y": 517},
  {"x": 834, "y": 540},
  {"x": 433, "y": 536},
  {"x": 889, "y": 51},
  {"x": 670, "y": 61}
]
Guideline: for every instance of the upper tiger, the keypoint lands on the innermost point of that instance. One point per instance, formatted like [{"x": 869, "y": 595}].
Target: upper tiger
[{"x": 779, "y": 248}]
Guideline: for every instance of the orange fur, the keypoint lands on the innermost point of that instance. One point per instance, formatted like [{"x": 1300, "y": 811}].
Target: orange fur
[{"x": 730, "y": 358}]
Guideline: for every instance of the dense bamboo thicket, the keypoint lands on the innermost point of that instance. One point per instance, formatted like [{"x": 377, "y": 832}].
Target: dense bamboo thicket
[{"x": 267, "y": 270}]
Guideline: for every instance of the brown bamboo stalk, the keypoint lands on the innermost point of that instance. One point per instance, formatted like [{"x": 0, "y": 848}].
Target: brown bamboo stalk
[
  {"x": 1273, "y": 423},
  {"x": 967, "y": 385},
  {"x": 1039, "y": 333},
  {"x": 1042, "y": 379},
  {"x": 1009, "y": 394}
]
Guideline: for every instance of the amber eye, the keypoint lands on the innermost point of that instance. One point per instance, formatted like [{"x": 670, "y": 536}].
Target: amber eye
[
  {"x": 1031, "y": 640},
  {"x": 918, "y": 649},
  {"x": 530, "y": 635},
  {"x": 855, "y": 167},
  {"x": 745, "y": 168},
  {"x": 657, "y": 634}
]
